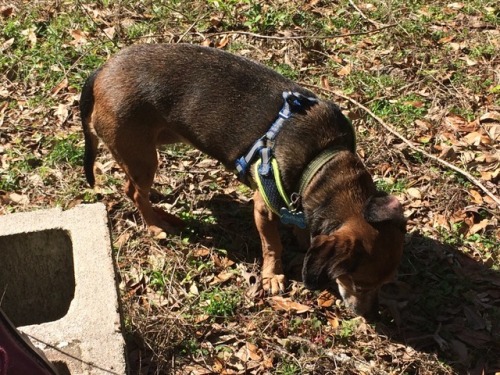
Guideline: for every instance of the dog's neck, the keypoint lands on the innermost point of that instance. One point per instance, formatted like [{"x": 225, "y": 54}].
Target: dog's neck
[
  {"x": 305, "y": 136},
  {"x": 337, "y": 192}
]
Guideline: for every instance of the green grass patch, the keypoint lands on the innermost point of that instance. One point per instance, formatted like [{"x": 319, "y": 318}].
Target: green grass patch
[
  {"x": 219, "y": 302},
  {"x": 391, "y": 186},
  {"x": 66, "y": 150}
]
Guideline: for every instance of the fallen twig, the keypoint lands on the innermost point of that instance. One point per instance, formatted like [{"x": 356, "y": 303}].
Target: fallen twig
[
  {"x": 410, "y": 144},
  {"x": 300, "y": 37},
  {"x": 191, "y": 27},
  {"x": 377, "y": 24}
]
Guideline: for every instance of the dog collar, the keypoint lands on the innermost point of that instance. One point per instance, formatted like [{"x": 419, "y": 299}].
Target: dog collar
[{"x": 316, "y": 164}]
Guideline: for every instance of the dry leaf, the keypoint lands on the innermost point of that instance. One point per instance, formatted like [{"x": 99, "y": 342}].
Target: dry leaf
[
  {"x": 61, "y": 85},
  {"x": 221, "y": 277},
  {"x": 218, "y": 365},
  {"x": 446, "y": 39},
  {"x": 493, "y": 131},
  {"x": 160, "y": 236},
  {"x": 469, "y": 61},
  {"x": 473, "y": 138},
  {"x": 19, "y": 199},
  {"x": 486, "y": 175},
  {"x": 344, "y": 71},
  {"x": 223, "y": 42},
  {"x": 490, "y": 117},
  {"x": 326, "y": 299},
  {"x": 478, "y": 227},
  {"x": 333, "y": 321},
  {"x": 325, "y": 82},
  {"x": 200, "y": 252},
  {"x": 207, "y": 42},
  {"x": 414, "y": 193},
  {"x": 476, "y": 196},
  {"x": 414, "y": 103},
  {"x": 122, "y": 239},
  {"x": 248, "y": 352},
  {"x": 79, "y": 38},
  {"x": 455, "y": 6},
  {"x": 197, "y": 370},
  {"x": 110, "y": 32},
  {"x": 193, "y": 289},
  {"x": 222, "y": 262},
  {"x": 458, "y": 123},
  {"x": 7, "y": 11},
  {"x": 423, "y": 124},
  {"x": 6, "y": 45},
  {"x": 286, "y": 304},
  {"x": 30, "y": 34}
]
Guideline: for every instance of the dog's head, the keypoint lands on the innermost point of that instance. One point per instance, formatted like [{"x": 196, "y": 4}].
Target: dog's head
[{"x": 360, "y": 256}]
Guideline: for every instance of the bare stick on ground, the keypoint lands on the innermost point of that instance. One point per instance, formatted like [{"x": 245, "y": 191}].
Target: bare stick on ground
[{"x": 410, "y": 144}]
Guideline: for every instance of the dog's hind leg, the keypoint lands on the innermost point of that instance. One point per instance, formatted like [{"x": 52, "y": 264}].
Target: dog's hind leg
[
  {"x": 136, "y": 154},
  {"x": 273, "y": 279}
]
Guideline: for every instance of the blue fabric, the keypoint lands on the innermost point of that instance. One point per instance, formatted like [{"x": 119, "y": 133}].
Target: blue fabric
[{"x": 293, "y": 102}]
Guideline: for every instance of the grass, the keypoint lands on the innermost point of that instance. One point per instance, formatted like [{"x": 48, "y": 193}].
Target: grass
[
  {"x": 186, "y": 299},
  {"x": 219, "y": 303}
]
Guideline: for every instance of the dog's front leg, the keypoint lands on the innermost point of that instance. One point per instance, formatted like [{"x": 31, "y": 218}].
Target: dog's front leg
[{"x": 273, "y": 279}]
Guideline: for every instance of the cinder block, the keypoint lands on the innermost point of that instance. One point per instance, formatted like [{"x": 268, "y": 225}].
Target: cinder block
[{"x": 57, "y": 284}]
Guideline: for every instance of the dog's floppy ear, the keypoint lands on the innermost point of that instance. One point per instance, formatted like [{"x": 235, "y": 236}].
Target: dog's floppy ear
[
  {"x": 383, "y": 207},
  {"x": 326, "y": 259}
]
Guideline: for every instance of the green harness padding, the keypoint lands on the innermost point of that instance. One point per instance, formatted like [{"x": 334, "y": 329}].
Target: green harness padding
[
  {"x": 288, "y": 207},
  {"x": 271, "y": 188}
]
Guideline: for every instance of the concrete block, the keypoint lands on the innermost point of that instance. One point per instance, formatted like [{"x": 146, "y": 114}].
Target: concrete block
[{"x": 57, "y": 284}]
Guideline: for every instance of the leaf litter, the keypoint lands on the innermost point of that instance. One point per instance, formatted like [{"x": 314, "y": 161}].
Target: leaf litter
[{"x": 442, "y": 314}]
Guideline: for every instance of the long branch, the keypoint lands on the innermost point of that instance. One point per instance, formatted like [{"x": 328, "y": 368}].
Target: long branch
[
  {"x": 410, "y": 144},
  {"x": 300, "y": 37}
]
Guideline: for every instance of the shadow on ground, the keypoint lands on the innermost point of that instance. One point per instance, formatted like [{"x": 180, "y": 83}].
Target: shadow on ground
[
  {"x": 444, "y": 302},
  {"x": 448, "y": 303}
]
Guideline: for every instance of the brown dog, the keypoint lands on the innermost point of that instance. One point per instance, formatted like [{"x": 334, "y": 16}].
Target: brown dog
[{"x": 149, "y": 95}]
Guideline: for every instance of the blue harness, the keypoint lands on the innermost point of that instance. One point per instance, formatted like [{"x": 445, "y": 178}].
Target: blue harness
[{"x": 267, "y": 172}]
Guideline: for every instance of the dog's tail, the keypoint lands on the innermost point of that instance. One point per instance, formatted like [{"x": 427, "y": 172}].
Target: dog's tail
[{"x": 91, "y": 141}]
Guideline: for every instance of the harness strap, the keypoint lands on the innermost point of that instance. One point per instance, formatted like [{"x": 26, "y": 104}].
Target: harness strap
[
  {"x": 270, "y": 187},
  {"x": 243, "y": 162},
  {"x": 293, "y": 102},
  {"x": 275, "y": 197},
  {"x": 287, "y": 208},
  {"x": 267, "y": 174}
]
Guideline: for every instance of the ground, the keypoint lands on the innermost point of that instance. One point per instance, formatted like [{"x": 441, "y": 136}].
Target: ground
[{"x": 429, "y": 75}]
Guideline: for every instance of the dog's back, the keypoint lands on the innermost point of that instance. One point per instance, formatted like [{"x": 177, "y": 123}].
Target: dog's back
[{"x": 189, "y": 87}]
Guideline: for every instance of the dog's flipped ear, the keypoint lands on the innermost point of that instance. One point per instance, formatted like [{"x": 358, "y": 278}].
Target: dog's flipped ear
[
  {"x": 327, "y": 258},
  {"x": 384, "y": 208}
]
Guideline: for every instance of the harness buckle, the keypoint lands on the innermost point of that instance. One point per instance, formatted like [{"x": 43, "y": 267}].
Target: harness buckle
[{"x": 295, "y": 201}]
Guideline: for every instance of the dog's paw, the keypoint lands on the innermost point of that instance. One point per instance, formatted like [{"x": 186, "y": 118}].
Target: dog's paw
[
  {"x": 163, "y": 223},
  {"x": 160, "y": 230},
  {"x": 168, "y": 219},
  {"x": 274, "y": 284}
]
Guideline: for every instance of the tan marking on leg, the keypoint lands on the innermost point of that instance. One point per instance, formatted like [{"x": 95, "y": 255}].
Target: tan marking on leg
[{"x": 273, "y": 279}]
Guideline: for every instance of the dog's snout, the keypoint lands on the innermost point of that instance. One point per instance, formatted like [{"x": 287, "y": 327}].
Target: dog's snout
[{"x": 363, "y": 303}]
